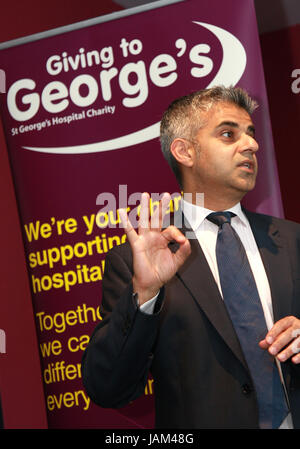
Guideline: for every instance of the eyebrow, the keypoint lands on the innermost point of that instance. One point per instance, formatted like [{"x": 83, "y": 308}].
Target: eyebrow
[{"x": 251, "y": 128}]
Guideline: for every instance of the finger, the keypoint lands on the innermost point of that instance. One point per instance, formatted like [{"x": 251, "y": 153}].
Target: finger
[
  {"x": 183, "y": 252},
  {"x": 165, "y": 202},
  {"x": 284, "y": 339},
  {"x": 296, "y": 359},
  {"x": 263, "y": 344},
  {"x": 160, "y": 211},
  {"x": 128, "y": 228},
  {"x": 144, "y": 213},
  {"x": 279, "y": 327},
  {"x": 281, "y": 340},
  {"x": 290, "y": 351},
  {"x": 171, "y": 233}
]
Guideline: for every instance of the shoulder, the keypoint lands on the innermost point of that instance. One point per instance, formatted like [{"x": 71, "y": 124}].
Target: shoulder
[{"x": 266, "y": 222}]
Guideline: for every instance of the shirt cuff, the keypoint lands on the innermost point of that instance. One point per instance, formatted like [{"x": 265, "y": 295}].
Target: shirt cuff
[{"x": 148, "y": 306}]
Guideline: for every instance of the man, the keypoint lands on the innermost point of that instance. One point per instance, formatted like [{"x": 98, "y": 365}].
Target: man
[{"x": 166, "y": 307}]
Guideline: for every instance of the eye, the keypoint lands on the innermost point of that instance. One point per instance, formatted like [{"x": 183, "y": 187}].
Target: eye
[{"x": 227, "y": 134}]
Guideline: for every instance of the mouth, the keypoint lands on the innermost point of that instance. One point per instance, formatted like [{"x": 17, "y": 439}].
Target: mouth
[{"x": 247, "y": 166}]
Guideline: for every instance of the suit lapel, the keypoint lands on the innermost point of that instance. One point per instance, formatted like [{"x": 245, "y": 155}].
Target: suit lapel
[
  {"x": 197, "y": 277},
  {"x": 275, "y": 258}
]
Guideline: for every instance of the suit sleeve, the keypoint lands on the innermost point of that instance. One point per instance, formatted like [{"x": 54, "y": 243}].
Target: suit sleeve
[{"x": 116, "y": 363}]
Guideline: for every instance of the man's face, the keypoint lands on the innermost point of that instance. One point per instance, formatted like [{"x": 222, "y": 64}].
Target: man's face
[{"x": 225, "y": 162}]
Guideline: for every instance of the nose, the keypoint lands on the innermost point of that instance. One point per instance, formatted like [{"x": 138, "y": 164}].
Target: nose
[{"x": 248, "y": 143}]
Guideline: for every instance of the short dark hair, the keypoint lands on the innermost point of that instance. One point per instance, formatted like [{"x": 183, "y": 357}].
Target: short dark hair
[{"x": 183, "y": 117}]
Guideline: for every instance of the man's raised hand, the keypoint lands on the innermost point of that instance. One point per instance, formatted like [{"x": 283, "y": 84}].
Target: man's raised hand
[{"x": 154, "y": 263}]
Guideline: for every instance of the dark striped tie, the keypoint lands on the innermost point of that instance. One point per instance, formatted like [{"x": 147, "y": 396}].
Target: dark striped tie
[{"x": 244, "y": 306}]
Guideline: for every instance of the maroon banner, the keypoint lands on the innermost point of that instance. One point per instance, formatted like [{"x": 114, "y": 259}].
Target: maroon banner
[{"x": 81, "y": 117}]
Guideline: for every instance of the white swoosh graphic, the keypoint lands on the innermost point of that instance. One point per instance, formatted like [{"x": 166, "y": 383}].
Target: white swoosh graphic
[
  {"x": 234, "y": 57},
  {"x": 141, "y": 136},
  {"x": 231, "y": 70}
]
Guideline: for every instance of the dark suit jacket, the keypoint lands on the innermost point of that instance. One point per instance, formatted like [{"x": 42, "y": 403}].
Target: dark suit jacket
[{"x": 201, "y": 379}]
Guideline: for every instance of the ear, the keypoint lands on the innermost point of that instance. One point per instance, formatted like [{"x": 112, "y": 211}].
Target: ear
[{"x": 183, "y": 151}]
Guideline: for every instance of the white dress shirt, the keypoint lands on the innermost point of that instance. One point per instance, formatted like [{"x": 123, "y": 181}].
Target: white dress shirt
[{"x": 206, "y": 233}]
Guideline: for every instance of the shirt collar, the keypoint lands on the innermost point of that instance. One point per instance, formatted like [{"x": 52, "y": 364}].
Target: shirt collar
[{"x": 197, "y": 214}]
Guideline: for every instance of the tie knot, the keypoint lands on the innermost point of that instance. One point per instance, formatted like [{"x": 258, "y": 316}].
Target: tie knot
[{"x": 219, "y": 218}]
